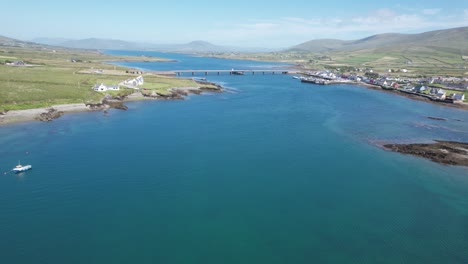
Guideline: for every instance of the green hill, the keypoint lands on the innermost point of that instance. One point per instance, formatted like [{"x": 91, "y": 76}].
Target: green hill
[
  {"x": 455, "y": 39},
  {"x": 320, "y": 45},
  {"x": 433, "y": 53},
  {"x": 10, "y": 42}
]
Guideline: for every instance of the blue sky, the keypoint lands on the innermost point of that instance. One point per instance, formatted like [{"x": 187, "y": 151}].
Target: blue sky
[{"x": 273, "y": 24}]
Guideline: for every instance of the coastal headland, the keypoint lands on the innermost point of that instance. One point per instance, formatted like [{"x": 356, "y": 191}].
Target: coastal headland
[
  {"x": 42, "y": 82},
  {"x": 117, "y": 102}
]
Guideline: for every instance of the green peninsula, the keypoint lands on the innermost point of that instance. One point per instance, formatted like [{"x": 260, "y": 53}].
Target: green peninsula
[{"x": 37, "y": 76}]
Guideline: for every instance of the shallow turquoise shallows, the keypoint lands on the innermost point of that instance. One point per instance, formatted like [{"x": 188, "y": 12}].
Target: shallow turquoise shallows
[{"x": 270, "y": 171}]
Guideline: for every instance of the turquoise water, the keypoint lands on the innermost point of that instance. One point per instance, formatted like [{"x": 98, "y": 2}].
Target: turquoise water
[{"x": 271, "y": 171}]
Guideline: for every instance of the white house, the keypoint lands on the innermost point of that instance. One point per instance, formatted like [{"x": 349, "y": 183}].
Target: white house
[
  {"x": 420, "y": 89},
  {"x": 140, "y": 80},
  {"x": 434, "y": 91},
  {"x": 409, "y": 88},
  {"x": 458, "y": 97},
  {"x": 384, "y": 83},
  {"x": 135, "y": 82},
  {"x": 102, "y": 88},
  {"x": 439, "y": 93}
]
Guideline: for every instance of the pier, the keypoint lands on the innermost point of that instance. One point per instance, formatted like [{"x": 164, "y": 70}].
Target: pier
[{"x": 219, "y": 72}]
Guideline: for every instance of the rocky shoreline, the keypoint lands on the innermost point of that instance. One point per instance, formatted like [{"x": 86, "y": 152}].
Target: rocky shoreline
[
  {"x": 443, "y": 152},
  {"x": 178, "y": 93},
  {"x": 459, "y": 105},
  {"x": 50, "y": 113}
]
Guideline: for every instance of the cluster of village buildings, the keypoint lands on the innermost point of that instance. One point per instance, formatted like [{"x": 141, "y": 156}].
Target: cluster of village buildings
[
  {"x": 130, "y": 83},
  {"x": 427, "y": 87}
]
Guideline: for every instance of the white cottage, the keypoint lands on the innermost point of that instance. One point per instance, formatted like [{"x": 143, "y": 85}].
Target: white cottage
[
  {"x": 140, "y": 80},
  {"x": 102, "y": 88},
  {"x": 458, "y": 97},
  {"x": 441, "y": 94},
  {"x": 135, "y": 82}
]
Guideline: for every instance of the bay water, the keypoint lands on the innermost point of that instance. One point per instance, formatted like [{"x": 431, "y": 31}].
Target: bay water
[{"x": 270, "y": 171}]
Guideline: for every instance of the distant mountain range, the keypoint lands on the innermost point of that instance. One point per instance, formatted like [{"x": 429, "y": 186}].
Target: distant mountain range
[
  {"x": 455, "y": 40},
  {"x": 112, "y": 44},
  {"x": 10, "y": 42}
]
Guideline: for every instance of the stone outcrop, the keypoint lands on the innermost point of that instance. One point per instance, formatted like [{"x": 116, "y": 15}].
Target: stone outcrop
[
  {"x": 50, "y": 115},
  {"x": 444, "y": 152},
  {"x": 179, "y": 92},
  {"x": 107, "y": 103},
  {"x": 97, "y": 107},
  {"x": 116, "y": 104}
]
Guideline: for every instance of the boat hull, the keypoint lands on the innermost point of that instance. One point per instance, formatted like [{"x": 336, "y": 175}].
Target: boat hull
[{"x": 22, "y": 168}]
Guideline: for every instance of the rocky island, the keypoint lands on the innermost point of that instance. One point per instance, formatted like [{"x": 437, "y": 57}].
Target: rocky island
[{"x": 444, "y": 152}]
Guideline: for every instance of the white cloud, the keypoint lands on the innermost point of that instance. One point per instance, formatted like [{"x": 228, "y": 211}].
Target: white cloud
[
  {"x": 387, "y": 19},
  {"x": 432, "y": 11}
]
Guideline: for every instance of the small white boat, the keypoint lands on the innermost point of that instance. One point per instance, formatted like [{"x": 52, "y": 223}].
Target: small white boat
[
  {"x": 296, "y": 77},
  {"x": 21, "y": 168}
]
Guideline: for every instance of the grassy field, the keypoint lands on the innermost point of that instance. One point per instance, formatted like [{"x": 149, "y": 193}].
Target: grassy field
[
  {"x": 57, "y": 80},
  {"x": 161, "y": 84}
]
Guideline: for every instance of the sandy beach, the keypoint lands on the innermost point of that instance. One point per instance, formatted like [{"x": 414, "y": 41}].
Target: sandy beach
[{"x": 17, "y": 116}]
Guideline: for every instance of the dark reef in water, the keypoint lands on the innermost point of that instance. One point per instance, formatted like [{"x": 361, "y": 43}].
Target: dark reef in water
[
  {"x": 444, "y": 152},
  {"x": 437, "y": 118}
]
